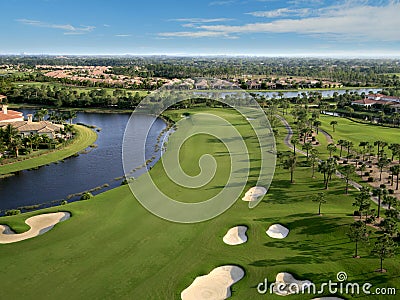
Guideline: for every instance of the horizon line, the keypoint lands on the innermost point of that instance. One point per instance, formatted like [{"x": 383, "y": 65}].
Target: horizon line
[{"x": 254, "y": 55}]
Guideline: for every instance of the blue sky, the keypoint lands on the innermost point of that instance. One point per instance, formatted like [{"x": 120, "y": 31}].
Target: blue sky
[{"x": 202, "y": 27}]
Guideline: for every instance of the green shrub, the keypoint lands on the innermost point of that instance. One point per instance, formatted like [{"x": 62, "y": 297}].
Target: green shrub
[
  {"x": 86, "y": 196},
  {"x": 13, "y": 212}
]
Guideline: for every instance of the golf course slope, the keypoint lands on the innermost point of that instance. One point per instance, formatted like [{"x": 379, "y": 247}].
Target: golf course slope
[{"x": 113, "y": 248}]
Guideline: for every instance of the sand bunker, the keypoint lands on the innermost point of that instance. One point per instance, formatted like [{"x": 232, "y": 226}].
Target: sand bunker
[
  {"x": 286, "y": 284},
  {"x": 39, "y": 225},
  {"x": 236, "y": 236},
  {"x": 254, "y": 193},
  {"x": 277, "y": 231},
  {"x": 214, "y": 285}
]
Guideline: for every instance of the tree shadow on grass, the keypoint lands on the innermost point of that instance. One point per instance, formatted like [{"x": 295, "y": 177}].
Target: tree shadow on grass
[
  {"x": 315, "y": 224},
  {"x": 292, "y": 260}
]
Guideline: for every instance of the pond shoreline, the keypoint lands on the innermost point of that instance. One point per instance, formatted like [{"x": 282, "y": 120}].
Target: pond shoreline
[{"x": 97, "y": 170}]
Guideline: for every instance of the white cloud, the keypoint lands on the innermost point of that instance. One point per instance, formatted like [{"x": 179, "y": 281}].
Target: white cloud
[
  {"x": 193, "y": 34},
  {"x": 281, "y": 12},
  {"x": 69, "y": 29},
  {"x": 201, "y": 20},
  {"x": 351, "y": 20},
  {"x": 123, "y": 35}
]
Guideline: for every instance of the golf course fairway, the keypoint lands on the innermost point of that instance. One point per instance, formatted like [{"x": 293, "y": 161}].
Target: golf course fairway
[{"x": 113, "y": 248}]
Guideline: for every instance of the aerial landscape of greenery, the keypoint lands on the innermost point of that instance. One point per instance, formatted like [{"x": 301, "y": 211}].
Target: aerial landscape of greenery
[{"x": 200, "y": 150}]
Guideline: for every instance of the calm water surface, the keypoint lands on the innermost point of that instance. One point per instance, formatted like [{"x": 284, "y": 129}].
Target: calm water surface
[{"x": 102, "y": 165}]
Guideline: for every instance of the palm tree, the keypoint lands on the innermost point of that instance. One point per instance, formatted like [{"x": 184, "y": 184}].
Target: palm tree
[
  {"x": 10, "y": 133},
  {"x": 384, "y": 247},
  {"x": 320, "y": 198},
  {"x": 294, "y": 141},
  {"x": 328, "y": 168},
  {"x": 395, "y": 148},
  {"x": 313, "y": 159},
  {"x": 28, "y": 141},
  {"x": 316, "y": 124},
  {"x": 16, "y": 145},
  {"x": 383, "y": 162},
  {"x": 307, "y": 147},
  {"x": 331, "y": 148},
  {"x": 380, "y": 192},
  {"x": 396, "y": 171},
  {"x": 348, "y": 170},
  {"x": 290, "y": 163},
  {"x": 358, "y": 232},
  {"x": 341, "y": 143},
  {"x": 40, "y": 114},
  {"x": 36, "y": 139},
  {"x": 390, "y": 201},
  {"x": 305, "y": 131},
  {"x": 370, "y": 149},
  {"x": 380, "y": 144},
  {"x": 362, "y": 201},
  {"x": 363, "y": 144},
  {"x": 333, "y": 123},
  {"x": 349, "y": 145},
  {"x": 53, "y": 116},
  {"x": 71, "y": 115}
]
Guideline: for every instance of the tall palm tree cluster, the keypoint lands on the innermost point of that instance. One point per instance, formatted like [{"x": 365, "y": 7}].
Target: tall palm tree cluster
[{"x": 12, "y": 143}]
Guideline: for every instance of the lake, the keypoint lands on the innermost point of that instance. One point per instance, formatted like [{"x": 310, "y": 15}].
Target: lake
[{"x": 99, "y": 167}]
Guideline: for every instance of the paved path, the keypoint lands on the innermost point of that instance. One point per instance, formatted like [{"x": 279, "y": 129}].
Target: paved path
[
  {"x": 289, "y": 135},
  {"x": 287, "y": 139},
  {"x": 327, "y": 136}
]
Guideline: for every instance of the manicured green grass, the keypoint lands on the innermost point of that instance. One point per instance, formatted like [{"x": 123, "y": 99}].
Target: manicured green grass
[
  {"x": 358, "y": 132},
  {"x": 113, "y": 248},
  {"x": 83, "y": 139}
]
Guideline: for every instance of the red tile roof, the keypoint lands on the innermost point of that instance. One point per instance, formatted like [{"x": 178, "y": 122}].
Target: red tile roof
[
  {"x": 11, "y": 115},
  {"x": 365, "y": 101}
]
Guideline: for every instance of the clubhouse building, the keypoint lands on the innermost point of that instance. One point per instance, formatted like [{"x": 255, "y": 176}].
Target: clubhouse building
[{"x": 28, "y": 127}]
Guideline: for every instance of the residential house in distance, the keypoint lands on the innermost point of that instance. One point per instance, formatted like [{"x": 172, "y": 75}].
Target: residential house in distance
[
  {"x": 16, "y": 119},
  {"x": 366, "y": 103},
  {"x": 7, "y": 115},
  {"x": 29, "y": 127},
  {"x": 380, "y": 99}
]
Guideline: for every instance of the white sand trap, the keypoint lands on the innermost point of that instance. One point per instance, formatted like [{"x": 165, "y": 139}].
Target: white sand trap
[
  {"x": 286, "y": 284},
  {"x": 215, "y": 285},
  {"x": 39, "y": 225},
  {"x": 254, "y": 193},
  {"x": 277, "y": 231},
  {"x": 236, "y": 236}
]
